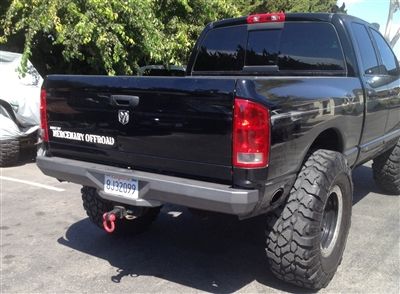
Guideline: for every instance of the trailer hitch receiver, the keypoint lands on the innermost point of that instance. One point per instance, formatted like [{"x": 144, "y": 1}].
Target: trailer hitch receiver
[{"x": 110, "y": 217}]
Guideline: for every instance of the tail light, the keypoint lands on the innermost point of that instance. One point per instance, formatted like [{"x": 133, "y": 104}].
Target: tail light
[
  {"x": 266, "y": 17},
  {"x": 251, "y": 134},
  {"x": 43, "y": 116}
]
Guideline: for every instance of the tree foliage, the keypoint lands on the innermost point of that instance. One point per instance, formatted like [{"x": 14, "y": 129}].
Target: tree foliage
[{"x": 118, "y": 36}]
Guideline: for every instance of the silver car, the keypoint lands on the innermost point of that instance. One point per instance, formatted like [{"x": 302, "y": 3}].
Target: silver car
[{"x": 19, "y": 108}]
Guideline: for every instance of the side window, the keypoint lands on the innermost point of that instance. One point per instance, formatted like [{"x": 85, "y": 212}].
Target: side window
[
  {"x": 222, "y": 49},
  {"x": 388, "y": 58},
  {"x": 368, "y": 56}
]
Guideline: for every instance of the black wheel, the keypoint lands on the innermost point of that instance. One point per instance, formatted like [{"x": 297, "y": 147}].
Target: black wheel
[
  {"x": 95, "y": 207},
  {"x": 9, "y": 152},
  {"x": 306, "y": 238},
  {"x": 386, "y": 170}
]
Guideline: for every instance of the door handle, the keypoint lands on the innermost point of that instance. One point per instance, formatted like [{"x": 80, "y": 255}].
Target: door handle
[{"x": 125, "y": 100}]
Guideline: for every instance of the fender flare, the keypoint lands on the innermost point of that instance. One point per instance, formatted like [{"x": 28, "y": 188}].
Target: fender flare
[{"x": 340, "y": 139}]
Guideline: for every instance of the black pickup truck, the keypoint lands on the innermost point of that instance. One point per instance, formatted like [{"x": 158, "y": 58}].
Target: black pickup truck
[{"x": 274, "y": 112}]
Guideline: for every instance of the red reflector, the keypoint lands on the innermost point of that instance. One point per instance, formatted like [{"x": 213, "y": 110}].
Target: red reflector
[
  {"x": 251, "y": 134},
  {"x": 266, "y": 17},
  {"x": 43, "y": 116}
]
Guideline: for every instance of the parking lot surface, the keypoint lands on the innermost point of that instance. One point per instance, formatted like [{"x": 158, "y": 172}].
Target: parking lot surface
[{"x": 48, "y": 245}]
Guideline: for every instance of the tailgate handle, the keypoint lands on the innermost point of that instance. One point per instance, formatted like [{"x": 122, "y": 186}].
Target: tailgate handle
[{"x": 125, "y": 100}]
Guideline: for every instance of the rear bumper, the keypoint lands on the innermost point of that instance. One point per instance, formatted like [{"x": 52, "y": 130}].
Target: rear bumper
[{"x": 154, "y": 189}]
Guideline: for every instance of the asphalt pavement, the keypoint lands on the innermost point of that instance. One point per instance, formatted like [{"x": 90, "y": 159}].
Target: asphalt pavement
[{"x": 48, "y": 245}]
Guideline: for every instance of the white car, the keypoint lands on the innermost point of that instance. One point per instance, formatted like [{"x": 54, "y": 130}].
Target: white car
[{"x": 19, "y": 107}]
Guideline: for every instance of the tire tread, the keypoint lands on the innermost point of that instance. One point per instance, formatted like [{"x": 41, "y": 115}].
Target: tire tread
[
  {"x": 293, "y": 230},
  {"x": 386, "y": 170},
  {"x": 9, "y": 152}
]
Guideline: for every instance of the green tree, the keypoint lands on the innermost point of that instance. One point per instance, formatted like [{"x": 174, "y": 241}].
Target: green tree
[
  {"x": 113, "y": 37},
  {"x": 183, "y": 21},
  {"x": 106, "y": 36},
  {"x": 118, "y": 36}
]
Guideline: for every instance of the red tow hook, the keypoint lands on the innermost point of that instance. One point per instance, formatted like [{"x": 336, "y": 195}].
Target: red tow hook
[
  {"x": 110, "y": 217},
  {"x": 109, "y": 222}
]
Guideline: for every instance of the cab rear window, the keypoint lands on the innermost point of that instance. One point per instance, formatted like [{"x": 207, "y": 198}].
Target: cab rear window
[{"x": 297, "y": 46}]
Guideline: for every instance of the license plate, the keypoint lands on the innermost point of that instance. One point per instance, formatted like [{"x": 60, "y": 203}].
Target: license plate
[{"x": 121, "y": 186}]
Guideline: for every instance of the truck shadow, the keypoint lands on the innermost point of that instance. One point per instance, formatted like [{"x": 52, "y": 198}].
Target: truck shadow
[
  {"x": 27, "y": 155},
  {"x": 363, "y": 183},
  {"x": 218, "y": 255}
]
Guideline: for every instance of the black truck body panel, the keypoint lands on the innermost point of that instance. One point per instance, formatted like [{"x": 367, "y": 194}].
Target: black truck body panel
[
  {"x": 192, "y": 135},
  {"x": 303, "y": 108},
  {"x": 182, "y": 126}
]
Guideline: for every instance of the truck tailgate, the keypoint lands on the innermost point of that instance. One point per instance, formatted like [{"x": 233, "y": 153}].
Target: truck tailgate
[{"x": 179, "y": 126}]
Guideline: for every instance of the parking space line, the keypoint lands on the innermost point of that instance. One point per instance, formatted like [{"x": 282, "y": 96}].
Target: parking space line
[{"x": 31, "y": 183}]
